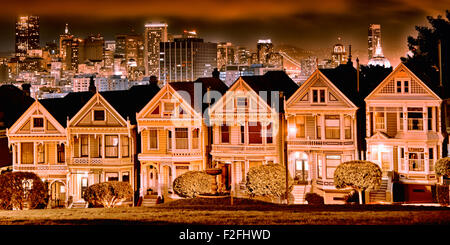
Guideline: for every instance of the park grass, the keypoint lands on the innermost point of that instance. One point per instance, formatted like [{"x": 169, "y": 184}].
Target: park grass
[{"x": 204, "y": 211}]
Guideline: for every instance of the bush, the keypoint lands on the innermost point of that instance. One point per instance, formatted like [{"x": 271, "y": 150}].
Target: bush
[
  {"x": 314, "y": 198},
  {"x": 268, "y": 180},
  {"x": 108, "y": 194},
  {"x": 22, "y": 189},
  {"x": 442, "y": 167},
  {"x": 359, "y": 175},
  {"x": 192, "y": 184},
  {"x": 352, "y": 198},
  {"x": 442, "y": 194}
]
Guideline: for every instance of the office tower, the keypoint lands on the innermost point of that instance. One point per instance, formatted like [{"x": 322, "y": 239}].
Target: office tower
[
  {"x": 65, "y": 48},
  {"x": 264, "y": 49},
  {"x": 91, "y": 48},
  {"x": 225, "y": 54},
  {"x": 186, "y": 59},
  {"x": 243, "y": 56},
  {"x": 373, "y": 36},
  {"x": 130, "y": 50},
  {"x": 155, "y": 33},
  {"x": 27, "y": 34},
  {"x": 108, "y": 56}
]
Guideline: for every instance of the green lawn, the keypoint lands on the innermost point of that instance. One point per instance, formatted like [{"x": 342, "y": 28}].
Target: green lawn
[{"x": 243, "y": 212}]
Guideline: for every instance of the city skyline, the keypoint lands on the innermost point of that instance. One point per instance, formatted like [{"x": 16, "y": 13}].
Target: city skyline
[{"x": 346, "y": 19}]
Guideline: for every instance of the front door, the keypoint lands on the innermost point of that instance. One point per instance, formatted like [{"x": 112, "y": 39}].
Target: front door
[
  {"x": 58, "y": 194},
  {"x": 84, "y": 185},
  {"x": 301, "y": 171},
  {"x": 152, "y": 179},
  {"x": 385, "y": 161}
]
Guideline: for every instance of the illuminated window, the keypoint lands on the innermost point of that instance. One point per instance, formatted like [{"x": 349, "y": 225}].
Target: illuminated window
[
  {"x": 379, "y": 121},
  {"x": 300, "y": 125}
]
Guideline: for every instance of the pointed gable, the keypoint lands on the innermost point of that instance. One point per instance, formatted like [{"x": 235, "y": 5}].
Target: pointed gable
[
  {"x": 318, "y": 91},
  {"x": 36, "y": 120},
  {"x": 97, "y": 112},
  {"x": 402, "y": 84}
]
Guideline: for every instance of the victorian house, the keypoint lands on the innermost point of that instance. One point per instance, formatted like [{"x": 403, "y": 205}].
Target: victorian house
[
  {"x": 174, "y": 134},
  {"x": 403, "y": 134},
  {"x": 321, "y": 134},
  {"x": 247, "y": 126},
  {"x": 39, "y": 144}
]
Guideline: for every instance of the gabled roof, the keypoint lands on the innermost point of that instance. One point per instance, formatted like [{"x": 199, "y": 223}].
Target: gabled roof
[
  {"x": 401, "y": 66},
  {"x": 125, "y": 102},
  {"x": 214, "y": 84}
]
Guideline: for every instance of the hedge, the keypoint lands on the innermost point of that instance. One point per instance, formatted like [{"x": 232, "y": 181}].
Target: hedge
[
  {"x": 19, "y": 190},
  {"x": 442, "y": 167},
  {"x": 108, "y": 194},
  {"x": 192, "y": 184},
  {"x": 268, "y": 180}
]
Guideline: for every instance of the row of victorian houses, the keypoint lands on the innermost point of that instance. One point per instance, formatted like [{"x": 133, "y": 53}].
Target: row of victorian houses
[{"x": 148, "y": 135}]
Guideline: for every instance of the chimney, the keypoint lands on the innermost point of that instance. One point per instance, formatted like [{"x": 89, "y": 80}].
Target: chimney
[
  {"x": 26, "y": 89},
  {"x": 215, "y": 73},
  {"x": 153, "y": 80},
  {"x": 92, "y": 87}
]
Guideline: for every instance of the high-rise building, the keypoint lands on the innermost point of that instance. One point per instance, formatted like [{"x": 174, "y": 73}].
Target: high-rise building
[
  {"x": 264, "y": 49},
  {"x": 243, "y": 56},
  {"x": 27, "y": 34},
  {"x": 108, "y": 56},
  {"x": 130, "y": 49},
  {"x": 373, "y": 36},
  {"x": 155, "y": 33},
  {"x": 225, "y": 54},
  {"x": 91, "y": 48},
  {"x": 186, "y": 59}
]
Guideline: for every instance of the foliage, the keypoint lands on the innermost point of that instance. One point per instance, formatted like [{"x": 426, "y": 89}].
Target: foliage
[
  {"x": 192, "y": 184},
  {"x": 442, "y": 167},
  {"x": 359, "y": 175},
  {"x": 314, "y": 198},
  {"x": 108, "y": 194},
  {"x": 268, "y": 180},
  {"x": 22, "y": 189},
  {"x": 351, "y": 198},
  {"x": 442, "y": 194},
  {"x": 423, "y": 59}
]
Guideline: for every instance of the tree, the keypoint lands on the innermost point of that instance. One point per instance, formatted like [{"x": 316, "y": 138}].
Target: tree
[
  {"x": 108, "y": 194},
  {"x": 359, "y": 175},
  {"x": 268, "y": 180},
  {"x": 19, "y": 190},
  {"x": 442, "y": 167},
  {"x": 192, "y": 184},
  {"x": 423, "y": 59}
]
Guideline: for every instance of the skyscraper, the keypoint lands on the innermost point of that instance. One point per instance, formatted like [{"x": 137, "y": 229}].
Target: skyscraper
[
  {"x": 264, "y": 49},
  {"x": 27, "y": 34},
  {"x": 373, "y": 36},
  {"x": 225, "y": 54},
  {"x": 155, "y": 33},
  {"x": 186, "y": 59}
]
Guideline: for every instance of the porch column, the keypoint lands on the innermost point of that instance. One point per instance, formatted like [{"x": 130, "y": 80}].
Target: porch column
[
  {"x": 34, "y": 153},
  {"x": 425, "y": 119},
  {"x": 159, "y": 180},
  {"x": 19, "y": 153},
  {"x": 103, "y": 146},
  {"x": 119, "y": 153},
  {"x": 141, "y": 191},
  {"x": 322, "y": 128},
  {"x": 341, "y": 127},
  {"x": 14, "y": 153},
  {"x": 405, "y": 119}
]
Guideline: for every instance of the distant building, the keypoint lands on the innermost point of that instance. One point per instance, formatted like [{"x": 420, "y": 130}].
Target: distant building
[
  {"x": 264, "y": 49},
  {"x": 243, "y": 56},
  {"x": 155, "y": 33},
  {"x": 225, "y": 54},
  {"x": 374, "y": 36},
  {"x": 186, "y": 59},
  {"x": 339, "y": 54},
  {"x": 378, "y": 58},
  {"x": 27, "y": 34}
]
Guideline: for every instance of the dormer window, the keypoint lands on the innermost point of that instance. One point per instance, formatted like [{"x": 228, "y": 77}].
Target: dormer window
[
  {"x": 241, "y": 102},
  {"x": 318, "y": 96},
  {"x": 38, "y": 122},
  {"x": 99, "y": 115}
]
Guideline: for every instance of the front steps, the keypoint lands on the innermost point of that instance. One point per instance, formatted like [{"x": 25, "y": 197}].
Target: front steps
[
  {"x": 299, "y": 192},
  {"x": 79, "y": 204},
  {"x": 379, "y": 195},
  {"x": 149, "y": 200}
]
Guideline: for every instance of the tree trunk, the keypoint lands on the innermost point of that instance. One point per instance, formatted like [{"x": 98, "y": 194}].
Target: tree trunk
[{"x": 360, "y": 197}]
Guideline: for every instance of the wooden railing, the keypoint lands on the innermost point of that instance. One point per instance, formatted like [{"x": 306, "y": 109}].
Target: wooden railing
[
  {"x": 240, "y": 148},
  {"x": 94, "y": 161},
  {"x": 31, "y": 167},
  {"x": 321, "y": 142}
]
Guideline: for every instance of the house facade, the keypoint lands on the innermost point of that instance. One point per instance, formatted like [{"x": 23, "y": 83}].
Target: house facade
[
  {"x": 321, "y": 134},
  {"x": 39, "y": 144},
  {"x": 247, "y": 127},
  {"x": 173, "y": 133},
  {"x": 403, "y": 129},
  {"x": 102, "y": 145}
]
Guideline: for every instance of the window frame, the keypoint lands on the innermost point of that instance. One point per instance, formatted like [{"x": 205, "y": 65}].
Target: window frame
[
  {"x": 319, "y": 95},
  {"x": 94, "y": 116},
  {"x": 149, "y": 147}
]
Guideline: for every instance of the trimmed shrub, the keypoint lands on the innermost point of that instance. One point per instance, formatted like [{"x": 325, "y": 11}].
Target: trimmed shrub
[
  {"x": 108, "y": 194},
  {"x": 352, "y": 198},
  {"x": 359, "y": 175},
  {"x": 442, "y": 167},
  {"x": 192, "y": 184},
  {"x": 442, "y": 194},
  {"x": 314, "y": 198},
  {"x": 268, "y": 180},
  {"x": 19, "y": 190}
]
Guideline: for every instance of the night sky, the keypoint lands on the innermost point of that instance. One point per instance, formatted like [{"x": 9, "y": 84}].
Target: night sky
[{"x": 306, "y": 24}]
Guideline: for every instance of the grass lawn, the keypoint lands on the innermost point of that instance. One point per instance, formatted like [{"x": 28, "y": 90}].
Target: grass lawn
[{"x": 243, "y": 212}]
